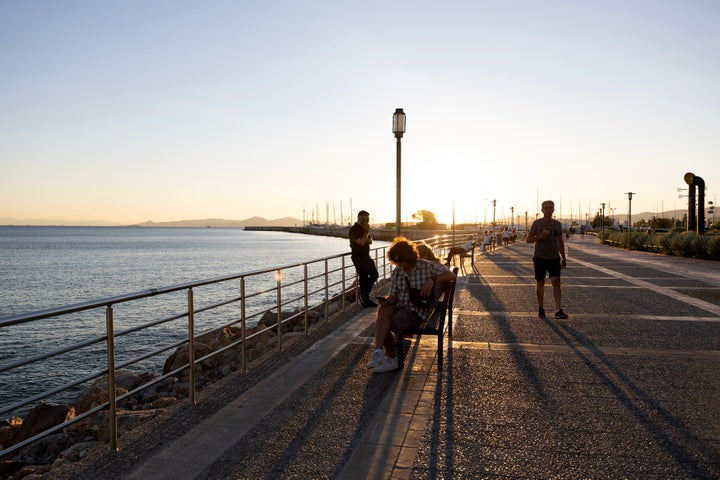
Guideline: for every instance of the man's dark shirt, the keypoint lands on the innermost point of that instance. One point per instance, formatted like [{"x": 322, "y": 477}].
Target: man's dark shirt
[{"x": 357, "y": 231}]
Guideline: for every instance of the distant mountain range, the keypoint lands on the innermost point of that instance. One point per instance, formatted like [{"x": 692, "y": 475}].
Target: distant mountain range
[
  {"x": 206, "y": 222},
  {"x": 221, "y": 222}
]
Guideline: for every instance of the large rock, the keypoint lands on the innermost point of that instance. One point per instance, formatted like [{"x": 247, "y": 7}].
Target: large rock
[
  {"x": 96, "y": 394},
  {"x": 41, "y": 418}
]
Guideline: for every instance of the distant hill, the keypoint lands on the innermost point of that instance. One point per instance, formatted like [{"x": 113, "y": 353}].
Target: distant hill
[{"x": 221, "y": 222}]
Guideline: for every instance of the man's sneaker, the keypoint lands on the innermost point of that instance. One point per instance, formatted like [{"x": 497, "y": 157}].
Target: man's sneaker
[
  {"x": 541, "y": 313},
  {"x": 377, "y": 358},
  {"x": 560, "y": 315},
  {"x": 388, "y": 364}
]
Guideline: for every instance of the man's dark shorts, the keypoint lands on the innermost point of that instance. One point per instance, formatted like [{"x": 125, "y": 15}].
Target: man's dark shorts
[
  {"x": 403, "y": 319},
  {"x": 543, "y": 267}
]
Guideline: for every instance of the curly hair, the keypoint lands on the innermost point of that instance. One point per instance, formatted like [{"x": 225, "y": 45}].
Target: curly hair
[{"x": 402, "y": 250}]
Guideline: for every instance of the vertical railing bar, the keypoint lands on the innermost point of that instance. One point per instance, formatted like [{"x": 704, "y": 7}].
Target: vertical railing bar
[
  {"x": 278, "y": 278},
  {"x": 112, "y": 417},
  {"x": 191, "y": 343},
  {"x": 342, "y": 267},
  {"x": 243, "y": 330},
  {"x": 307, "y": 317},
  {"x": 327, "y": 292}
]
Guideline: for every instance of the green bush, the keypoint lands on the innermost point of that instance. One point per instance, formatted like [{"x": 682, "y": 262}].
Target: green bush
[{"x": 680, "y": 244}]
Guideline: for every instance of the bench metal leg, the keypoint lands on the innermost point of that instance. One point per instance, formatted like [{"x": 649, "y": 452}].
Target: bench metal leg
[{"x": 440, "y": 352}]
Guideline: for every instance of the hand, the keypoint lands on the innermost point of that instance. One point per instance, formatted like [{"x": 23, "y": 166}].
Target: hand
[
  {"x": 563, "y": 263},
  {"x": 427, "y": 287}
]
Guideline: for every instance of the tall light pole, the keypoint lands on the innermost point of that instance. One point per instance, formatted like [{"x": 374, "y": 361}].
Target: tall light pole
[
  {"x": 494, "y": 204},
  {"x": 398, "y": 129},
  {"x": 629, "y": 194},
  {"x": 602, "y": 222}
]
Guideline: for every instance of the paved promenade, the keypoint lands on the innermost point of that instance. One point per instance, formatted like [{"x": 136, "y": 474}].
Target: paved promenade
[{"x": 627, "y": 387}]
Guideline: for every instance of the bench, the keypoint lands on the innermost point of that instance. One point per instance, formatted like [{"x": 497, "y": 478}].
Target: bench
[
  {"x": 470, "y": 255},
  {"x": 435, "y": 324}
]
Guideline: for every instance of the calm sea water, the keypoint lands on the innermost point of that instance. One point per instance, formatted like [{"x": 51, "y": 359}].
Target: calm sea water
[{"x": 43, "y": 267}]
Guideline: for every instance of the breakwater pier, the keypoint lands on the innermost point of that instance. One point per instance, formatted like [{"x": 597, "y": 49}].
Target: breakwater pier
[
  {"x": 626, "y": 387},
  {"x": 385, "y": 234}
]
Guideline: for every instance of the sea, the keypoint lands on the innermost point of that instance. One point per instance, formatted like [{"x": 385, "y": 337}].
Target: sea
[{"x": 44, "y": 267}]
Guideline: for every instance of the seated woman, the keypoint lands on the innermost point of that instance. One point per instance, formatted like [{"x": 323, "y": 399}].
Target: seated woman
[
  {"x": 426, "y": 253},
  {"x": 487, "y": 239},
  {"x": 396, "y": 313}
]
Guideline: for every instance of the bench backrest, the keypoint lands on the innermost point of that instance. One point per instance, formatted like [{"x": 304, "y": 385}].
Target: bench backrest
[{"x": 444, "y": 304}]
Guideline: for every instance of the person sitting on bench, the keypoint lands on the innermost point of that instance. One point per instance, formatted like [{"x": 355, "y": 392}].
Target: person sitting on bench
[
  {"x": 461, "y": 250},
  {"x": 426, "y": 253},
  {"x": 397, "y": 312}
]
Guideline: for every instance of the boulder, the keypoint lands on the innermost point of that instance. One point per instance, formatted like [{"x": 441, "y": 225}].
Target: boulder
[{"x": 41, "y": 418}]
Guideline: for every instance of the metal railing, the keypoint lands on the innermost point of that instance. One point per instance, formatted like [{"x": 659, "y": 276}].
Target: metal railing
[{"x": 141, "y": 328}]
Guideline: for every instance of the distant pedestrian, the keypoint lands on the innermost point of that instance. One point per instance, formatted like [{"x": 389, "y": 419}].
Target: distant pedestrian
[
  {"x": 549, "y": 257},
  {"x": 360, "y": 241}
]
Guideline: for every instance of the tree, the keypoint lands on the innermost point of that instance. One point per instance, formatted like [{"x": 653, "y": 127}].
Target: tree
[{"x": 425, "y": 219}]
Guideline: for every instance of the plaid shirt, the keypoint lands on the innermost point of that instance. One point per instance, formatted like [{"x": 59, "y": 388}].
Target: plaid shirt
[{"x": 424, "y": 269}]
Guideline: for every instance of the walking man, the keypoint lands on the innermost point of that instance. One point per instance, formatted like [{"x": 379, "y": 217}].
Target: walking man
[
  {"x": 549, "y": 257},
  {"x": 360, "y": 241}
]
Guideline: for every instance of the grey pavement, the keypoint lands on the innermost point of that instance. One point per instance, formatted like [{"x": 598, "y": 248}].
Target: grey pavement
[{"x": 627, "y": 387}]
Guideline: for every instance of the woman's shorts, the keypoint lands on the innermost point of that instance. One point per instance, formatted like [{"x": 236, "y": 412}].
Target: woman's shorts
[{"x": 404, "y": 319}]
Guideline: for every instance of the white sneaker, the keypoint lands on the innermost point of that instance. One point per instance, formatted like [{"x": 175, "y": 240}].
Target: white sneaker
[
  {"x": 377, "y": 358},
  {"x": 388, "y": 364}
]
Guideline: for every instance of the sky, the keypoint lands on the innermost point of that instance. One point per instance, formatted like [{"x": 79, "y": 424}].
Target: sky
[{"x": 134, "y": 111}]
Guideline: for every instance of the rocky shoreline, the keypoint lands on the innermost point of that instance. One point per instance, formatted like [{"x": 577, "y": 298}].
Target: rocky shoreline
[{"x": 76, "y": 441}]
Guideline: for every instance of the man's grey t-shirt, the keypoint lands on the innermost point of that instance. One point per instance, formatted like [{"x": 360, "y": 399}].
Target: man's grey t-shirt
[{"x": 548, "y": 249}]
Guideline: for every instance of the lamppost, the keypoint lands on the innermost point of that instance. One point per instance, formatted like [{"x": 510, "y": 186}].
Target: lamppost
[
  {"x": 629, "y": 194},
  {"x": 602, "y": 222},
  {"x": 512, "y": 217},
  {"x": 398, "y": 129},
  {"x": 494, "y": 204}
]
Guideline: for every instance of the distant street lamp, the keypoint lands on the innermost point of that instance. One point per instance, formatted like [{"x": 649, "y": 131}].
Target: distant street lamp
[
  {"x": 398, "y": 128},
  {"x": 629, "y": 194},
  {"x": 602, "y": 222},
  {"x": 494, "y": 204}
]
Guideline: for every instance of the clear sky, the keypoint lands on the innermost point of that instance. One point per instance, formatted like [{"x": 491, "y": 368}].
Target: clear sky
[{"x": 169, "y": 110}]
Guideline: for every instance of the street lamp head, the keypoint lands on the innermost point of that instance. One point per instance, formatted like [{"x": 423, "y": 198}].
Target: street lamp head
[{"x": 398, "y": 123}]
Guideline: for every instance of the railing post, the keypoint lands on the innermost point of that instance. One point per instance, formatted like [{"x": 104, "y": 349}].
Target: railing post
[
  {"x": 343, "y": 284},
  {"x": 243, "y": 331},
  {"x": 191, "y": 343},
  {"x": 278, "y": 280},
  {"x": 112, "y": 417},
  {"x": 305, "y": 286},
  {"x": 327, "y": 292}
]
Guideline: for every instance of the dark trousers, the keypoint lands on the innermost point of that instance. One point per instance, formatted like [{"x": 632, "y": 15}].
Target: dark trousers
[{"x": 367, "y": 275}]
